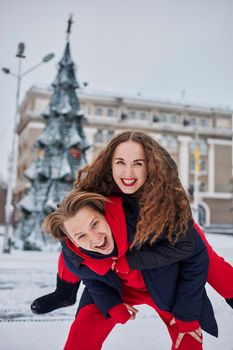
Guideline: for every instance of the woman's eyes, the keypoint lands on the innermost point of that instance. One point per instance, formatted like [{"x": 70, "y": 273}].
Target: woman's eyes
[{"x": 120, "y": 162}]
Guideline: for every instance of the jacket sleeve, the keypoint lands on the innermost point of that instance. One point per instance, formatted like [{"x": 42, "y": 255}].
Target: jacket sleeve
[
  {"x": 64, "y": 272},
  {"x": 107, "y": 300},
  {"x": 163, "y": 253},
  {"x": 190, "y": 289}
]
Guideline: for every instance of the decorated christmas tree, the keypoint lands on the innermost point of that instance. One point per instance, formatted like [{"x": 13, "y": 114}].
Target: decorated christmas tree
[{"x": 60, "y": 151}]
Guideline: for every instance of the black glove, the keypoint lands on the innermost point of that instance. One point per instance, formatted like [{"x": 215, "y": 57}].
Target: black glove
[{"x": 64, "y": 295}]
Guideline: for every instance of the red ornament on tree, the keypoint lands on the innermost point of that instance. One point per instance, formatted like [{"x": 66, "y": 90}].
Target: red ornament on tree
[{"x": 75, "y": 153}]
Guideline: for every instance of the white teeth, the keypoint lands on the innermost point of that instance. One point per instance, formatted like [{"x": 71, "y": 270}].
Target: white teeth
[
  {"x": 99, "y": 245},
  {"x": 128, "y": 182}
]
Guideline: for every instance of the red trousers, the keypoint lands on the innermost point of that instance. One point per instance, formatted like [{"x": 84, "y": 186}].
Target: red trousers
[
  {"x": 90, "y": 328},
  {"x": 220, "y": 273}
]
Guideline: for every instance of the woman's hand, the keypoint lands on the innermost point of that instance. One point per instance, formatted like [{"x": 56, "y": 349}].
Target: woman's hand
[
  {"x": 196, "y": 334},
  {"x": 132, "y": 311}
]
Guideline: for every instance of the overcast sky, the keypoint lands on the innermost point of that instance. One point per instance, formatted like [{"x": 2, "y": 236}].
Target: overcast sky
[{"x": 155, "y": 47}]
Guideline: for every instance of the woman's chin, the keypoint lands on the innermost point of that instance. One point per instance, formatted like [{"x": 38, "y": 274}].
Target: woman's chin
[{"x": 128, "y": 190}]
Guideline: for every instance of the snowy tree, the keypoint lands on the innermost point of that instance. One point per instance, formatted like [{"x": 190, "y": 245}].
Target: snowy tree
[{"x": 60, "y": 152}]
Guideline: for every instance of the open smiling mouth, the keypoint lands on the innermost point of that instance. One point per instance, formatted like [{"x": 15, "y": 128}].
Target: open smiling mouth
[
  {"x": 128, "y": 182},
  {"x": 103, "y": 244}
]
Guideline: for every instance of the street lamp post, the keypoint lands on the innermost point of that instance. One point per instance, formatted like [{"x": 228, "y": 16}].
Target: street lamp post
[
  {"x": 197, "y": 157},
  {"x": 12, "y": 166}
]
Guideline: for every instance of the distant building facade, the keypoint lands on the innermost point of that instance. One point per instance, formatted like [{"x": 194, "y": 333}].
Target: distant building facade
[{"x": 176, "y": 126}]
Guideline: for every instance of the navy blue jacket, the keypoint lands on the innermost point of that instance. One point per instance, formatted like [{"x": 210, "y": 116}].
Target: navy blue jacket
[{"x": 177, "y": 285}]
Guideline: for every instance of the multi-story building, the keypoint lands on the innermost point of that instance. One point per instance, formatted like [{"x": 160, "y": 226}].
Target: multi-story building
[{"x": 176, "y": 126}]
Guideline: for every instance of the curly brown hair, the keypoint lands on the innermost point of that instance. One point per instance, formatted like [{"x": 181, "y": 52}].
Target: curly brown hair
[
  {"x": 163, "y": 203},
  {"x": 70, "y": 205}
]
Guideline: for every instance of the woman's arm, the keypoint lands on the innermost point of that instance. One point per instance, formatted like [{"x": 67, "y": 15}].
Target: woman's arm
[
  {"x": 192, "y": 305},
  {"x": 190, "y": 289},
  {"x": 159, "y": 254}
]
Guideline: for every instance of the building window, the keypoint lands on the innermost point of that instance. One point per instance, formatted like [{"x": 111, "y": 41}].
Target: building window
[
  {"x": 170, "y": 143},
  {"x": 110, "y": 112},
  {"x": 98, "y": 111},
  {"x": 202, "y": 187},
  {"x": 185, "y": 122},
  {"x": 156, "y": 118},
  {"x": 143, "y": 115},
  {"x": 192, "y": 164},
  {"x": 89, "y": 109},
  {"x": 200, "y": 144},
  {"x": 192, "y": 121},
  {"x": 203, "y": 122},
  {"x": 163, "y": 118},
  {"x": 174, "y": 118},
  {"x": 203, "y": 148},
  {"x": 132, "y": 115},
  {"x": 123, "y": 116},
  {"x": 110, "y": 134},
  {"x": 99, "y": 136},
  {"x": 223, "y": 123},
  {"x": 203, "y": 164}
]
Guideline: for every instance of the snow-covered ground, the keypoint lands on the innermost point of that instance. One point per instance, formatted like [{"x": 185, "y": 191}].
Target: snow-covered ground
[{"x": 27, "y": 275}]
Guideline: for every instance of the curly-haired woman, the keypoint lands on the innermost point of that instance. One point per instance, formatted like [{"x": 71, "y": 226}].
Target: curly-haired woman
[{"x": 133, "y": 165}]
